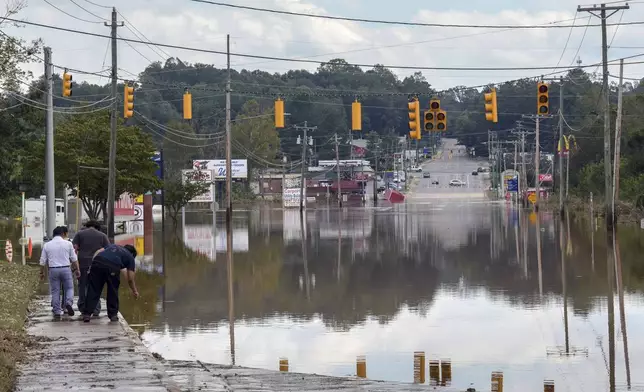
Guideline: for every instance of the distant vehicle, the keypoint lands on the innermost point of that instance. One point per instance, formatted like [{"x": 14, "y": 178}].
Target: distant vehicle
[
  {"x": 434, "y": 182},
  {"x": 456, "y": 182},
  {"x": 416, "y": 169},
  {"x": 426, "y": 175},
  {"x": 475, "y": 173}
]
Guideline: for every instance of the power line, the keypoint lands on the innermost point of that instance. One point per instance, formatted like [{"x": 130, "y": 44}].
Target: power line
[
  {"x": 402, "y": 23},
  {"x": 97, "y": 5},
  {"x": 142, "y": 35},
  {"x": 68, "y": 14},
  {"x": 245, "y": 55},
  {"x": 88, "y": 11}
]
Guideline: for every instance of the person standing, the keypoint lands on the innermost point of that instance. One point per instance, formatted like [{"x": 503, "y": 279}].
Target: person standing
[
  {"x": 58, "y": 256},
  {"x": 87, "y": 242},
  {"x": 106, "y": 268}
]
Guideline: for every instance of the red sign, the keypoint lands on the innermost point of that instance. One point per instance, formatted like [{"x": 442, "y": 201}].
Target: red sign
[
  {"x": 545, "y": 177},
  {"x": 124, "y": 205}
]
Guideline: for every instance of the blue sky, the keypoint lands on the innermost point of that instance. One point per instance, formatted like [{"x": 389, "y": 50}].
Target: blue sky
[{"x": 182, "y": 22}]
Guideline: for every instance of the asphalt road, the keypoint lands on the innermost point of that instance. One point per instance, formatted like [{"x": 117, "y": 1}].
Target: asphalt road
[{"x": 452, "y": 163}]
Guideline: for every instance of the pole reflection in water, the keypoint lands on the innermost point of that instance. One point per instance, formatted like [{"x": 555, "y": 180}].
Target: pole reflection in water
[
  {"x": 563, "y": 284},
  {"x": 231, "y": 299},
  {"x": 610, "y": 271},
  {"x": 622, "y": 312},
  {"x": 339, "y": 266},
  {"x": 305, "y": 254},
  {"x": 538, "y": 234}
]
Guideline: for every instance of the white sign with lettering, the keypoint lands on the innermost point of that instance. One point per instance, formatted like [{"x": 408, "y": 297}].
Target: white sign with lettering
[{"x": 218, "y": 167}]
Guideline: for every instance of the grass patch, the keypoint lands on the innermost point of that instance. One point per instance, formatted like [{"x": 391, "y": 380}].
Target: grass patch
[{"x": 18, "y": 284}]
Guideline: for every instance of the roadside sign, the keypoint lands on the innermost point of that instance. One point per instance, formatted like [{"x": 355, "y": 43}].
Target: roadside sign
[
  {"x": 8, "y": 251},
  {"x": 513, "y": 185},
  {"x": 532, "y": 198}
]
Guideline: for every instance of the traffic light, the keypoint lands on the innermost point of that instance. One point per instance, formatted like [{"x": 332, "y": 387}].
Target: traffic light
[
  {"x": 429, "y": 121},
  {"x": 414, "y": 119},
  {"x": 67, "y": 85},
  {"x": 543, "y": 102},
  {"x": 187, "y": 105},
  {"x": 356, "y": 116},
  {"x": 441, "y": 121},
  {"x": 434, "y": 105},
  {"x": 128, "y": 101},
  {"x": 279, "y": 113},
  {"x": 491, "y": 113}
]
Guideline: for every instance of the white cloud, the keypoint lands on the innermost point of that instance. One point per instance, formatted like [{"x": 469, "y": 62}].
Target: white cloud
[{"x": 205, "y": 26}]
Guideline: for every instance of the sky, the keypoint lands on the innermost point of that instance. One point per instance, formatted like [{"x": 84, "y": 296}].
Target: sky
[{"x": 188, "y": 23}]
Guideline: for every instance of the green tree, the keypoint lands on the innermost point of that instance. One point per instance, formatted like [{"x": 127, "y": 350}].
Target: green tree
[
  {"x": 81, "y": 158},
  {"x": 178, "y": 192}
]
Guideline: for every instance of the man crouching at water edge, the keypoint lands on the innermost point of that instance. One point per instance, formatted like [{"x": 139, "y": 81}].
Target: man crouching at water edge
[
  {"x": 106, "y": 268},
  {"x": 59, "y": 255}
]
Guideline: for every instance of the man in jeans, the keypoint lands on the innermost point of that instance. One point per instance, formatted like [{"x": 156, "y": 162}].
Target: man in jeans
[
  {"x": 58, "y": 256},
  {"x": 87, "y": 242},
  {"x": 106, "y": 268}
]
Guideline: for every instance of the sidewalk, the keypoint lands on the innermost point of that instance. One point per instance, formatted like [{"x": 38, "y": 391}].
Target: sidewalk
[{"x": 98, "y": 356}]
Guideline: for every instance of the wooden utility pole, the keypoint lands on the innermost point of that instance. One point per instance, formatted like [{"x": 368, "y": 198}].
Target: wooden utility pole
[
  {"x": 337, "y": 165},
  {"x": 229, "y": 151},
  {"x": 602, "y": 9},
  {"x": 305, "y": 146},
  {"x": 618, "y": 135},
  {"x": 561, "y": 150}
]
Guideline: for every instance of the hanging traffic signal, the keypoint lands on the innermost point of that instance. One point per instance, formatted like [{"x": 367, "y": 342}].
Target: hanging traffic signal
[
  {"x": 543, "y": 102},
  {"x": 187, "y": 105},
  {"x": 441, "y": 121},
  {"x": 128, "y": 101},
  {"x": 414, "y": 119},
  {"x": 279, "y": 113},
  {"x": 491, "y": 113},
  {"x": 67, "y": 85},
  {"x": 356, "y": 116},
  {"x": 430, "y": 119}
]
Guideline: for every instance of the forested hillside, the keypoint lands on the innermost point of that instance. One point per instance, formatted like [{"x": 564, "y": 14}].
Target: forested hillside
[{"x": 323, "y": 99}]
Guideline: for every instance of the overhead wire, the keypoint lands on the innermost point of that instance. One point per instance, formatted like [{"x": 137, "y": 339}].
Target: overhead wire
[
  {"x": 89, "y": 12},
  {"x": 98, "y": 5},
  {"x": 305, "y": 61},
  {"x": 70, "y": 15},
  {"x": 389, "y": 22},
  {"x": 142, "y": 36}
]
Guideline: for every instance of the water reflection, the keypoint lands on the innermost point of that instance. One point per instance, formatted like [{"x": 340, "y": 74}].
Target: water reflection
[{"x": 491, "y": 288}]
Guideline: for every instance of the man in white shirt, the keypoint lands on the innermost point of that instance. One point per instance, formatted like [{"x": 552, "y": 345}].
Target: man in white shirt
[{"x": 58, "y": 256}]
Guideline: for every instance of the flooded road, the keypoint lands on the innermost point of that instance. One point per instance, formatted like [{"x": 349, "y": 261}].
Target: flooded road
[{"x": 462, "y": 281}]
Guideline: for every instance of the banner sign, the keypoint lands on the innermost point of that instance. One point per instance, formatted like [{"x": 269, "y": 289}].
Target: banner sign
[{"x": 218, "y": 167}]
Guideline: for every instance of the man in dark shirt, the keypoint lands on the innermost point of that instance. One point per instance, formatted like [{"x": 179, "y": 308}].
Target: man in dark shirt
[
  {"x": 106, "y": 268},
  {"x": 87, "y": 242}
]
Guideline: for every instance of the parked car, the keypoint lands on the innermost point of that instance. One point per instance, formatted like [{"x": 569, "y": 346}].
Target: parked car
[
  {"x": 426, "y": 175},
  {"x": 434, "y": 182},
  {"x": 475, "y": 173},
  {"x": 456, "y": 182}
]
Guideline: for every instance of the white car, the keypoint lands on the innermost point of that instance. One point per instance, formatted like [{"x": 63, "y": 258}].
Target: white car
[
  {"x": 416, "y": 169},
  {"x": 457, "y": 183}
]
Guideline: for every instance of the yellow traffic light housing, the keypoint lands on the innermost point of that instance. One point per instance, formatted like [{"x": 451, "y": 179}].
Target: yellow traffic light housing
[
  {"x": 543, "y": 101},
  {"x": 441, "y": 121},
  {"x": 187, "y": 105},
  {"x": 356, "y": 116},
  {"x": 279, "y": 113},
  {"x": 434, "y": 105},
  {"x": 429, "y": 123},
  {"x": 67, "y": 85},
  {"x": 491, "y": 111},
  {"x": 128, "y": 101},
  {"x": 414, "y": 119}
]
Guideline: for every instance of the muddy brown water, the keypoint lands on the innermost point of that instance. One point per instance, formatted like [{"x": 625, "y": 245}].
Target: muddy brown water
[{"x": 456, "y": 280}]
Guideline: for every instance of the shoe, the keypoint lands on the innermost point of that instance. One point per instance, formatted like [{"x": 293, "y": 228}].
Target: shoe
[
  {"x": 70, "y": 310},
  {"x": 114, "y": 318},
  {"x": 57, "y": 317},
  {"x": 96, "y": 314},
  {"x": 86, "y": 318}
]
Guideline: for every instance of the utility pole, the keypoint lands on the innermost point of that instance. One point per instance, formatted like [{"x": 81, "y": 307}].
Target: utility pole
[
  {"x": 229, "y": 153},
  {"x": 337, "y": 165},
  {"x": 111, "y": 182},
  {"x": 618, "y": 135},
  {"x": 305, "y": 144},
  {"x": 50, "y": 188},
  {"x": 610, "y": 219},
  {"x": 516, "y": 148},
  {"x": 561, "y": 143},
  {"x": 537, "y": 161}
]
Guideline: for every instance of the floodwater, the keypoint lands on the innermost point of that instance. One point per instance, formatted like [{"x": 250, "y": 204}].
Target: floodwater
[{"x": 480, "y": 284}]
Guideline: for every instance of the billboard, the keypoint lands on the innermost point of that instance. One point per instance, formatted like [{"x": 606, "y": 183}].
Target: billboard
[
  {"x": 203, "y": 176},
  {"x": 291, "y": 197},
  {"x": 218, "y": 167}
]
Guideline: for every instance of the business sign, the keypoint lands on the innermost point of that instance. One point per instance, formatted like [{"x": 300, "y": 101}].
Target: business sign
[
  {"x": 218, "y": 167},
  {"x": 291, "y": 197},
  {"x": 204, "y": 176},
  {"x": 124, "y": 206},
  {"x": 545, "y": 177},
  {"x": 158, "y": 159},
  {"x": 513, "y": 185}
]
